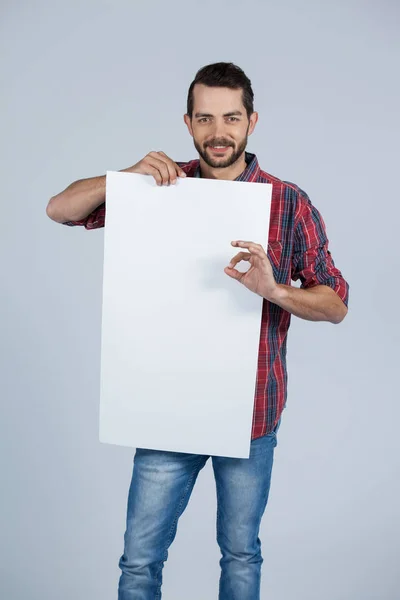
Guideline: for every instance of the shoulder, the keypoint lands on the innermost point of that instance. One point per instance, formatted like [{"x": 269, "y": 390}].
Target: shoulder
[
  {"x": 290, "y": 188},
  {"x": 282, "y": 184},
  {"x": 287, "y": 194}
]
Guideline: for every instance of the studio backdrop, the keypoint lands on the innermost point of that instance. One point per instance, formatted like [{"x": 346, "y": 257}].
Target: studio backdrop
[{"x": 90, "y": 87}]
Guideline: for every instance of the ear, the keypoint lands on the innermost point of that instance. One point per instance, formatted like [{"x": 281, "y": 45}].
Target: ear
[
  {"x": 188, "y": 122},
  {"x": 253, "y": 122}
]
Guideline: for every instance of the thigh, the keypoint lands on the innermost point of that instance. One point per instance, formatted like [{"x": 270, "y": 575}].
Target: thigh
[
  {"x": 242, "y": 492},
  {"x": 159, "y": 492}
]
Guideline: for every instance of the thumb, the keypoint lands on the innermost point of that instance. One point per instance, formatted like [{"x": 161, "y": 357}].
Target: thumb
[{"x": 234, "y": 273}]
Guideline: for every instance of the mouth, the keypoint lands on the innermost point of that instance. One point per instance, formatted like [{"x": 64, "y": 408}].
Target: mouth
[{"x": 219, "y": 149}]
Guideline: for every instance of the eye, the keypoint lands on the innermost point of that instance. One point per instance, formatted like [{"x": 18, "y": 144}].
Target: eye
[
  {"x": 233, "y": 118},
  {"x": 203, "y": 119}
]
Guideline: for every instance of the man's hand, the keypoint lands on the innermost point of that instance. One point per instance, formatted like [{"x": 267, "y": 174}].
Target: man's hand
[
  {"x": 259, "y": 278},
  {"x": 158, "y": 164},
  {"x": 319, "y": 303}
]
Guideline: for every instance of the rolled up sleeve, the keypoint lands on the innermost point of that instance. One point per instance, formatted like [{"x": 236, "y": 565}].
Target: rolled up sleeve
[
  {"x": 95, "y": 220},
  {"x": 312, "y": 261}
]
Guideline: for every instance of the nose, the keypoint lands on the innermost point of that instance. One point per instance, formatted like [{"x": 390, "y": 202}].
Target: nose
[{"x": 219, "y": 130}]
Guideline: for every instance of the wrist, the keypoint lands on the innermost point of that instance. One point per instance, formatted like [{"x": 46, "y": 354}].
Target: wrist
[{"x": 278, "y": 294}]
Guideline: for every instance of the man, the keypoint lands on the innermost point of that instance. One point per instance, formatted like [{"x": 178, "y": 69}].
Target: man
[{"x": 220, "y": 117}]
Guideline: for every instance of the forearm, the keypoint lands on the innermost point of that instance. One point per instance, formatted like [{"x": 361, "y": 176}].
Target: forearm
[
  {"x": 78, "y": 200},
  {"x": 319, "y": 303}
]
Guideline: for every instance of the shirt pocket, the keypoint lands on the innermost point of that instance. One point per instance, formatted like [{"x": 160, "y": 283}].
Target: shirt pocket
[{"x": 275, "y": 253}]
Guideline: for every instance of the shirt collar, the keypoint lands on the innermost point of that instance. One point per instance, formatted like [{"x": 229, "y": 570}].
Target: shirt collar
[{"x": 251, "y": 172}]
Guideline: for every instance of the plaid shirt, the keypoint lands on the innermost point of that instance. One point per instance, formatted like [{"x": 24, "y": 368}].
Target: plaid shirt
[{"x": 297, "y": 249}]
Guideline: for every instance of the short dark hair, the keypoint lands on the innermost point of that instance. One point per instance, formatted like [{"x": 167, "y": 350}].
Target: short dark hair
[{"x": 223, "y": 74}]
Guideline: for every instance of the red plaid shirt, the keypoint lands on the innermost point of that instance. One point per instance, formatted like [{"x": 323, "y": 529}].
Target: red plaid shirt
[{"x": 297, "y": 249}]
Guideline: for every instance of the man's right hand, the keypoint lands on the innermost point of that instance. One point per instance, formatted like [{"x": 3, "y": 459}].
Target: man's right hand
[{"x": 160, "y": 166}]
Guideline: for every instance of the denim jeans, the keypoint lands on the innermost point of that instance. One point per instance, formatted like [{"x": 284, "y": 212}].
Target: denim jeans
[{"x": 160, "y": 489}]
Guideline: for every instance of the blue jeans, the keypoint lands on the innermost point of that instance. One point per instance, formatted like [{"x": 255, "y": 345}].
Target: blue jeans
[{"x": 161, "y": 486}]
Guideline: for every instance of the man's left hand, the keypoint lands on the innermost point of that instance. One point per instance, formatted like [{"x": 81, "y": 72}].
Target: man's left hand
[{"x": 259, "y": 278}]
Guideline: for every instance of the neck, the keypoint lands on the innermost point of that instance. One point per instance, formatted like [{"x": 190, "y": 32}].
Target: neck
[{"x": 229, "y": 173}]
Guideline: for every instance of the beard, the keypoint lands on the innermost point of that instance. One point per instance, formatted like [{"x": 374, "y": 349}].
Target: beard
[{"x": 218, "y": 163}]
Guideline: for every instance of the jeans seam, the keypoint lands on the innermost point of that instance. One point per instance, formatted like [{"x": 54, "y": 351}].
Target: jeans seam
[
  {"x": 218, "y": 532},
  {"x": 158, "y": 595}
]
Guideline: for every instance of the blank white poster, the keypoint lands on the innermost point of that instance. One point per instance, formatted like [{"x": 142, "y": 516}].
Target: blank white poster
[{"x": 180, "y": 338}]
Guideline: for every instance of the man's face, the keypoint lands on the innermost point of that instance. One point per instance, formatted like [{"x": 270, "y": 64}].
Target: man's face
[{"x": 219, "y": 125}]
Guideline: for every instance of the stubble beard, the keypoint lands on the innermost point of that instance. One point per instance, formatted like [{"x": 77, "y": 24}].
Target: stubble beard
[{"x": 219, "y": 163}]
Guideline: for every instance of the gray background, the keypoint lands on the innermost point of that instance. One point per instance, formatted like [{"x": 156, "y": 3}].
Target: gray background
[{"x": 95, "y": 86}]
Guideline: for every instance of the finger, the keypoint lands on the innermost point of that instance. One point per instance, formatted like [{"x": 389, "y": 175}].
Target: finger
[
  {"x": 150, "y": 170},
  {"x": 177, "y": 169},
  {"x": 161, "y": 166},
  {"x": 250, "y": 246},
  {"x": 155, "y": 160},
  {"x": 246, "y": 244},
  {"x": 234, "y": 273},
  {"x": 238, "y": 258},
  {"x": 170, "y": 166}
]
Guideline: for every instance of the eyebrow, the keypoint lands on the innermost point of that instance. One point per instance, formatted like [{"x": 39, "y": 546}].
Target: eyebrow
[{"x": 233, "y": 113}]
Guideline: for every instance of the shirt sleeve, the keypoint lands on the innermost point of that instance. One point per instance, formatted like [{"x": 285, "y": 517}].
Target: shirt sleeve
[
  {"x": 312, "y": 261},
  {"x": 95, "y": 220}
]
